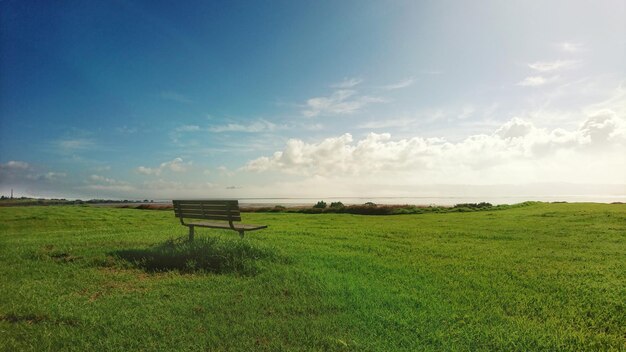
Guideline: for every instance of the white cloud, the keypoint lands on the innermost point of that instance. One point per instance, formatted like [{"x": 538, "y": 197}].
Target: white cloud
[
  {"x": 15, "y": 165},
  {"x": 76, "y": 144},
  {"x": 253, "y": 127},
  {"x": 148, "y": 171},
  {"x": 125, "y": 188},
  {"x": 256, "y": 126},
  {"x": 18, "y": 171},
  {"x": 517, "y": 151},
  {"x": 387, "y": 123},
  {"x": 571, "y": 47},
  {"x": 399, "y": 85},
  {"x": 535, "y": 81},
  {"x": 48, "y": 176},
  {"x": 102, "y": 183},
  {"x": 175, "y": 96},
  {"x": 544, "y": 66},
  {"x": 176, "y": 165},
  {"x": 105, "y": 180},
  {"x": 347, "y": 83},
  {"x": 341, "y": 102},
  {"x": 603, "y": 127},
  {"x": 431, "y": 116},
  {"x": 224, "y": 171},
  {"x": 514, "y": 128},
  {"x": 52, "y": 176}
]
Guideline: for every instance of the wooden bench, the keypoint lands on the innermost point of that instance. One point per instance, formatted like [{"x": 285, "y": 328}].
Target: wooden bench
[{"x": 226, "y": 212}]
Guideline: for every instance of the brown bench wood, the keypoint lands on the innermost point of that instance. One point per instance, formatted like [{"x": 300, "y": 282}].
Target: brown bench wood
[{"x": 226, "y": 212}]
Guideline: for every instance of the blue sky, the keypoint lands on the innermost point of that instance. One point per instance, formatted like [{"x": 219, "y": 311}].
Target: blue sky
[{"x": 136, "y": 99}]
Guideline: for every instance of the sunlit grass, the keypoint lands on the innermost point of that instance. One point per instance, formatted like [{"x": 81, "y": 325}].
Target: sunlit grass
[{"x": 537, "y": 277}]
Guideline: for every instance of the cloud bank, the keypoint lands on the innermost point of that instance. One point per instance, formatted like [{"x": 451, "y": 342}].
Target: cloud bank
[
  {"x": 176, "y": 165},
  {"x": 517, "y": 151}
]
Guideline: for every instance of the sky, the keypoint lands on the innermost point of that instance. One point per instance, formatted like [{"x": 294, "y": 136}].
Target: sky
[{"x": 232, "y": 99}]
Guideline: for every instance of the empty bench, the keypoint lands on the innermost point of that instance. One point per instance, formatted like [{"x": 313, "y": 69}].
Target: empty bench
[{"x": 224, "y": 213}]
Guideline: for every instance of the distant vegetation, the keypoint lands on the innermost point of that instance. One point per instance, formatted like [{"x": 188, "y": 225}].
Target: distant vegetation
[
  {"x": 370, "y": 208},
  {"x": 321, "y": 207},
  {"x": 7, "y": 201}
]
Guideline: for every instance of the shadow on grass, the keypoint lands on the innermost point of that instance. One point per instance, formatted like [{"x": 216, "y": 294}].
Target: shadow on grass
[
  {"x": 201, "y": 255},
  {"x": 36, "y": 318}
]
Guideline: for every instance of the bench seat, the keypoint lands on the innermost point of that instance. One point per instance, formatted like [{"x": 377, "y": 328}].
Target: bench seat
[
  {"x": 225, "y": 225},
  {"x": 226, "y": 212}
]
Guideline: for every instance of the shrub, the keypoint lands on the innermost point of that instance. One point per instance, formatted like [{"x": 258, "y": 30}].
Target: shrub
[
  {"x": 320, "y": 205},
  {"x": 336, "y": 205},
  {"x": 369, "y": 210},
  {"x": 278, "y": 209},
  {"x": 481, "y": 205}
]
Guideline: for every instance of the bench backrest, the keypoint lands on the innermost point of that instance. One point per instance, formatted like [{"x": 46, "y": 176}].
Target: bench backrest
[{"x": 225, "y": 210}]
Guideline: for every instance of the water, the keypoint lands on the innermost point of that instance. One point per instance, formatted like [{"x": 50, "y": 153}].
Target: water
[{"x": 452, "y": 200}]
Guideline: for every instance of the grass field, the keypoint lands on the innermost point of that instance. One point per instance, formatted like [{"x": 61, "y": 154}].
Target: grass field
[{"x": 537, "y": 277}]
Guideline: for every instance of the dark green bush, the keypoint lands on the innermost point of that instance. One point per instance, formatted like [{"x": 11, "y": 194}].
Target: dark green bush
[
  {"x": 481, "y": 205},
  {"x": 278, "y": 209},
  {"x": 311, "y": 210},
  {"x": 370, "y": 208},
  {"x": 336, "y": 205},
  {"x": 320, "y": 205}
]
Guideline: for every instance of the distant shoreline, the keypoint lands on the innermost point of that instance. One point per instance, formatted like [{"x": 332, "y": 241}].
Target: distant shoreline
[{"x": 309, "y": 201}]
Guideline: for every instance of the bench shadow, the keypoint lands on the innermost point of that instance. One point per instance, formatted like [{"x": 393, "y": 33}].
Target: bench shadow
[{"x": 213, "y": 255}]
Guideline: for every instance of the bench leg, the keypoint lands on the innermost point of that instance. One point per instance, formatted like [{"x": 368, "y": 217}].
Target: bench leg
[
  {"x": 241, "y": 234},
  {"x": 190, "y": 233}
]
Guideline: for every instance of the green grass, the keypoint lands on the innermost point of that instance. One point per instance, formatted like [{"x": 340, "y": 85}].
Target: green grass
[{"x": 536, "y": 277}]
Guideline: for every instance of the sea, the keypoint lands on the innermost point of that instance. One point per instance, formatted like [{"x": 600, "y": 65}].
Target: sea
[{"x": 443, "y": 201}]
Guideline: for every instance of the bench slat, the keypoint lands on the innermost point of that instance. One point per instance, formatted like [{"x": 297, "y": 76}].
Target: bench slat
[
  {"x": 207, "y": 211},
  {"x": 224, "y": 210},
  {"x": 208, "y": 216},
  {"x": 216, "y": 225},
  {"x": 217, "y": 205},
  {"x": 205, "y": 207},
  {"x": 229, "y": 202}
]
